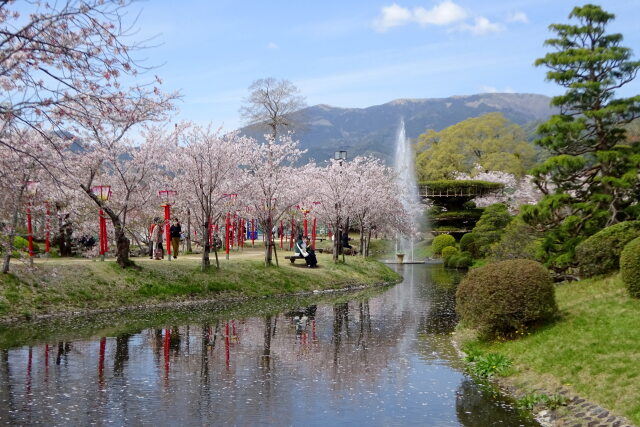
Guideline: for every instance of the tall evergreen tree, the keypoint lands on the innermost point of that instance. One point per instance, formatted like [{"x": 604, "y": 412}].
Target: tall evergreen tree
[{"x": 591, "y": 179}]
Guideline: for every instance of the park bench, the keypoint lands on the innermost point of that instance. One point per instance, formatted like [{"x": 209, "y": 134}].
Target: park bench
[{"x": 293, "y": 258}]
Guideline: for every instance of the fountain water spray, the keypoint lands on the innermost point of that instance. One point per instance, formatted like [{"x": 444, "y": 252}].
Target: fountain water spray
[{"x": 406, "y": 172}]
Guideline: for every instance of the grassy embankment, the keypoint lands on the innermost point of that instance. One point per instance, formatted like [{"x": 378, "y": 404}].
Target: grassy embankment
[
  {"x": 80, "y": 285},
  {"x": 593, "y": 349}
]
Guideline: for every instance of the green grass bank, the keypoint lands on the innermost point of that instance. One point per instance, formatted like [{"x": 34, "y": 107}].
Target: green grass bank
[
  {"x": 56, "y": 286},
  {"x": 592, "y": 350}
]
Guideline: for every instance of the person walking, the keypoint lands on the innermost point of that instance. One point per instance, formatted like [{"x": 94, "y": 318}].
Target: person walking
[{"x": 175, "y": 231}]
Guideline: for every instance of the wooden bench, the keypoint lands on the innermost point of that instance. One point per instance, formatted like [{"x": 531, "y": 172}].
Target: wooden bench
[{"x": 293, "y": 258}]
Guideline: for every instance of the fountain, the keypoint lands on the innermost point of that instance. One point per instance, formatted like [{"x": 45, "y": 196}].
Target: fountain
[{"x": 406, "y": 170}]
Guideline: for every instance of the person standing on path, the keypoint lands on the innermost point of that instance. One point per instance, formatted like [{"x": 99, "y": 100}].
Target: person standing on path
[
  {"x": 156, "y": 239},
  {"x": 175, "y": 231}
]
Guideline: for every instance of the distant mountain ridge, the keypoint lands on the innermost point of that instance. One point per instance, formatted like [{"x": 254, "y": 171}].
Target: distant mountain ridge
[{"x": 373, "y": 130}]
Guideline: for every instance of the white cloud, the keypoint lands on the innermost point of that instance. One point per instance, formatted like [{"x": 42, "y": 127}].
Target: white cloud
[
  {"x": 392, "y": 16},
  {"x": 272, "y": 45},
  {"x": 518, "y": 17},
  {"x": 491, "y": 89},
  {"x": 482, "y": 26},
  {"x": 444, "y": 13}
]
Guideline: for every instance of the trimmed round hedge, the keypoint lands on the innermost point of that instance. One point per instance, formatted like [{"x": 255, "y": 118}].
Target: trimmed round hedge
[
  {"x": 442, "y": 241},
  {"x": 459, "y": 260},
  {"x": 600, "y": 253},
  {"x": 449, "y": 251},
  {"x": 505, "y": 296},
  {"x": 468, "y": 243},
  {"x": 630, "y": 267}
]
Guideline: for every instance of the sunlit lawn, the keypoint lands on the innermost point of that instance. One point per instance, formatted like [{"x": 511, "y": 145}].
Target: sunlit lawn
[{"x": 594, "y": 349}]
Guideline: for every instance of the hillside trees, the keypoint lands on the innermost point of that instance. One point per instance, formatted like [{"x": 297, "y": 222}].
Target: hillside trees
[
  {"x": 591, "y": 179},
  {"x": 490, "y": 141}
]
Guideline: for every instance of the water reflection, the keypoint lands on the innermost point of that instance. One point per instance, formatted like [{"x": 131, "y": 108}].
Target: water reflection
[{"x": 385, "y": 359}]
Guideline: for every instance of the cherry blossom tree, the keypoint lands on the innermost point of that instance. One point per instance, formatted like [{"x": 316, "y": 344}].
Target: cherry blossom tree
[
  {"x": 109, "y": 157},
  {"x": 56, "y": 55},
  {"x": 274, "y": 185},
  {"x": 517, "y": 191},
  {"x": 208, "y": 168}
]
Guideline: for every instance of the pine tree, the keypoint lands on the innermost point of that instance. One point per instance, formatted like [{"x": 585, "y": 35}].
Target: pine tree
[{"x": 590, "y": 180}]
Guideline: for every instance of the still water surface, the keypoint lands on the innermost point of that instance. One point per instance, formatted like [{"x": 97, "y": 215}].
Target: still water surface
[{"x": 380, "y": 358}]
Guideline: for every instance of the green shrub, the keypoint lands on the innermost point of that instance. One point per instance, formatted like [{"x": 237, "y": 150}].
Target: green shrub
[
  {"x": 519, "y": 241},
  {"x": 459, "y": 260},
  {"x": 505, "y": 296},
  {"x": 600, "y": 253},
  {"x": 467, "y": 243},
  {"x": 20, "y": 243},
  {"x": 442, "y": 241},
  {"x": 448, "y": 251},
  {"x": 490, "y": 228},
  {"x": 630, "y": 267}
]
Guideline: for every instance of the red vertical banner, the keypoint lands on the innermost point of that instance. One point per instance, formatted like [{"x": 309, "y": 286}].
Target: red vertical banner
[
  {"x": 227, "y": 233},
  {"x": 304, "y": 226},
  {"x": 102, "y": 236},
  {"x": 167, "y": 218}
]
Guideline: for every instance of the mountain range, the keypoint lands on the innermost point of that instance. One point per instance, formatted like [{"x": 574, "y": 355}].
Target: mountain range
[{"x": 373, "y": 130}]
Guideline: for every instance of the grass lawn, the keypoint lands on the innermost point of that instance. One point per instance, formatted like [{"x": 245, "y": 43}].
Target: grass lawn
[
  {"x": 74, "y": 284},
  {"x": 593, "y": 349}
]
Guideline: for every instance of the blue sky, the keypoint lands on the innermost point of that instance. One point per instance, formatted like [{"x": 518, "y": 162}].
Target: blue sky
[{"x": 355, "y": 53}]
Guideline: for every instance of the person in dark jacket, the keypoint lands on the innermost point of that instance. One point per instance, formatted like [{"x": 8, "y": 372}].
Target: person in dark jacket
[{"x": 175, "y": 231}]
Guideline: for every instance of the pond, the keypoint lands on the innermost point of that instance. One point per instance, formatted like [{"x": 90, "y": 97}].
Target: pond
[{"x": 379, "y": 357}]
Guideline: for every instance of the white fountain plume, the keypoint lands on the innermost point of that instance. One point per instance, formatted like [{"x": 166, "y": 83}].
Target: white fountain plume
[{"x": 406, "y": 172}]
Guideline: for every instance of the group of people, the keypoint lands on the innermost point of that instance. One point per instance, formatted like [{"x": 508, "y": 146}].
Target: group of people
[
  {"x": 156, "y": 236},
  {"x": 304, "y": 248}
]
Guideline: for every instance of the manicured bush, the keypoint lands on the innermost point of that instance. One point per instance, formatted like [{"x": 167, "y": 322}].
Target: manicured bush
[
  {"x": 448, "y": 251},
  {"x": 600, "y": 253},
  {"x": 467, "y": 243},
  {"x": 490, "y": 228},
  {"x": 505, "y": 296},
  {"x": 459, "y": 260},
  {"x": 442, "y": 241},
  {"x": 519, "y": 241},
  {"x": 630, "y": 267}
]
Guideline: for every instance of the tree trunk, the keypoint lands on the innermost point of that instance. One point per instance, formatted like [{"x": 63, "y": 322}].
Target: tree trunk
[
  {"x": 122, "y": 245},
  {"x": 12, "y": 235},
  {"x": 205, "y": 248},
  {"x": 268, "y": 243},
  {"x": 362, "y": 239},
  {"x": 188, "y": 237},
  {"x": 337, "y": 239},
  {"x": 368, "y": 241}
]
